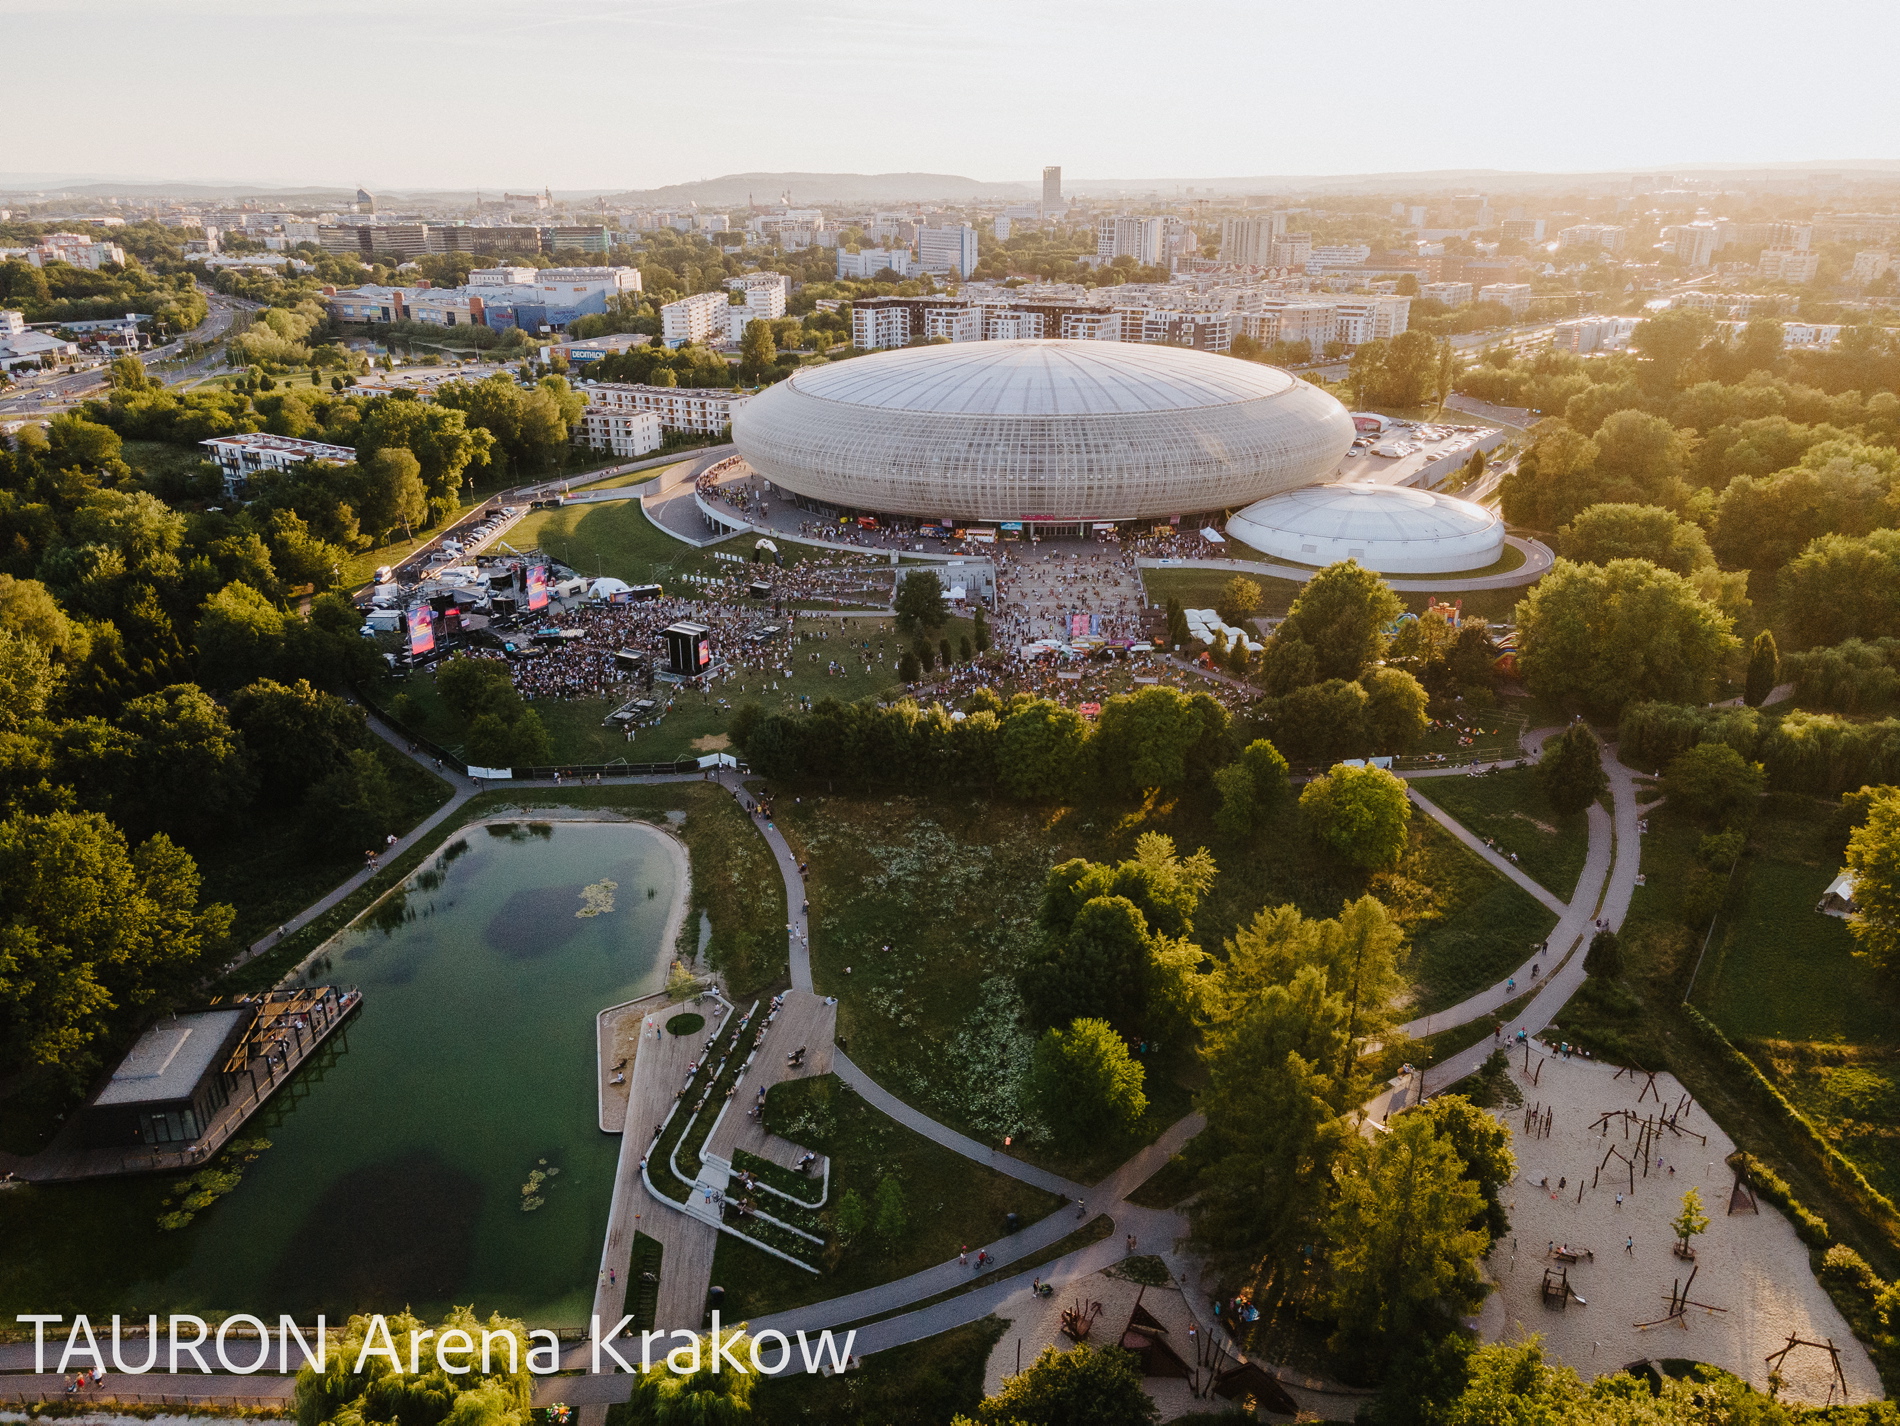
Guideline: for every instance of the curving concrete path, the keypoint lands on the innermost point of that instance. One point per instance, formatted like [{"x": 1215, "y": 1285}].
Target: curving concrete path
[
  {"x": 1538, "y": 558},
  {"x": 1603, "y": 891}
]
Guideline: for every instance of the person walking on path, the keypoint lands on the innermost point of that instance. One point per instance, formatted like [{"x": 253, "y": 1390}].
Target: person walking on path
[{"x": 1629, "y": 1246}]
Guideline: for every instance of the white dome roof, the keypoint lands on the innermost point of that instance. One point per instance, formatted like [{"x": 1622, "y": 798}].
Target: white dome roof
[
  {"x": 1041, "y": 378},
  {"x": 1392, "y": 529},
  {"x": 1039, "y": 429}
]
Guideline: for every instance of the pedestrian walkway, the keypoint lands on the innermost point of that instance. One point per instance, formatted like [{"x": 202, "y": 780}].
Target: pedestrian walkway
[
  {"x": 1602, "y": 898},
  {"x": 1603, "y": 892}
]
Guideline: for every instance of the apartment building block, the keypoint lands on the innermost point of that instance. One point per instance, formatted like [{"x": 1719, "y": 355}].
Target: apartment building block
[
  {"x": 677, "y": 408},
  {"x": 698, "y": 318}
]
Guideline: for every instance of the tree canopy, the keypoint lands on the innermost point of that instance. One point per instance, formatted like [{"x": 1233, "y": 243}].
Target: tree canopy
[
  {"x": 1571, "y": 769},
  {"x": 1604, "y": 636},
  {"x": 1341, "y": 615},
  {"x": 1085, "y": 1084},
  {"x": 1873, "y": 856},
  {"x": 1359, "y": 813}
]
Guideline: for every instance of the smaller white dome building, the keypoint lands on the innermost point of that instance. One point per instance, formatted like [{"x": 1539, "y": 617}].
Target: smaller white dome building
[{"x": 1389, "y": 528}]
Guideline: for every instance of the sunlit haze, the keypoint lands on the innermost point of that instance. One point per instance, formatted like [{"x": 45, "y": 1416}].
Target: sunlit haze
[{"x": 580, "y": 94}]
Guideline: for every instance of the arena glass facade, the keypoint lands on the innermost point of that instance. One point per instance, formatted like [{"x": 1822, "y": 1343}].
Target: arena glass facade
[{"x": 1049, "y": 433}]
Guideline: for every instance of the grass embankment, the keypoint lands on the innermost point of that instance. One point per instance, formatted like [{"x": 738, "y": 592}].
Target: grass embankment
[
  {"x": 1510, "y": 809},
  {"x": 924, "y": 910},
  {"x": 1782, "y": 981},
  {"x": 1093, "y": 1231},
  {"x": 1642, "y": 1019},
  {"x": 948, "y": 1201},
  {"x": 1481, "y": 926},
  {"x": 630, "y": 477}
]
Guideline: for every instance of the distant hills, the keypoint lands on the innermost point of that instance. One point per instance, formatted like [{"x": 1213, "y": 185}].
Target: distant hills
[{"x": 736, "y": 190}]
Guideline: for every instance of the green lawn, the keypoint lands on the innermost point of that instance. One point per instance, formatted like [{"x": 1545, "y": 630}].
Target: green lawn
[
  {"x": 162, "y": 457},
  {"x": 1510, "y": 808},
  {"x": 1779, "y": 969},
  {"x": 632, "y": 477},
  {"x": 1200, "y": 589},
  {"x": 951, "y": 886},
  {"x": 950, "y": 1201},
  {"x": 1782, "y": 980},
  {"x": 1483, "y": 926}
]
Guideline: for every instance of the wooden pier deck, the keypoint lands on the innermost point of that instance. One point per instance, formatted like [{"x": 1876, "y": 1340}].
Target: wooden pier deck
[{"x": 289, "y": 1027}]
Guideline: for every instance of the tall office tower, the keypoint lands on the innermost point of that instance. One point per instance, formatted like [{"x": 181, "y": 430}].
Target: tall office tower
[{"x": 1051, "y": 190}]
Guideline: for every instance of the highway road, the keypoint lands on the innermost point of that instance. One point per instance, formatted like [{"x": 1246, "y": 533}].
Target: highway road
[{"x": 56, "y": 392}]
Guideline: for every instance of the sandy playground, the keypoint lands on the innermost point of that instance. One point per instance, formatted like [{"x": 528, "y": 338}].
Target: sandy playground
[{"x": 1749, "y": 1263}]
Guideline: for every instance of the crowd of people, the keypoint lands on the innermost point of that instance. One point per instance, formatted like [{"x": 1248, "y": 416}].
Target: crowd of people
[{"x": 1044, "y": 591}]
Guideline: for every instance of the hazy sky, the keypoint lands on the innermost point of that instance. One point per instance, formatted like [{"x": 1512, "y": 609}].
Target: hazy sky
[{"x": 637, "y": 93}]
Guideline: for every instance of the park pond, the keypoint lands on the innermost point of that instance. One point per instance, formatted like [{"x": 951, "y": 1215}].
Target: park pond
[{"x": 401, "y": 1158}]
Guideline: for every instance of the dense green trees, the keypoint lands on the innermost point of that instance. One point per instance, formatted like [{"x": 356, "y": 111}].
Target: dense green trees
[
  {"x": 502, "y": 730},
  {"x": 1483, "y": 1145},
  {"x": 297, "y": 735},
  {"x": 918, "y": 606},
  {"x": 59, "y": 292},
  {"x": 1764, "y": 667},
  {"x": 1239, "y": 600},
  {"x": 1843, "y": 586},
  {"x": 1608, "y": 532},
  {"x": 1873, "y": 856},
  {"x": 1605, "y": 956},
  {"x": 1087, "y": 1386},
  {"x": 91, "y": 929},
  {"x": 528, "y": 428},
  {"x": 1290, "y": 1009},
  {"x": 1249, "y": 788},
  {"x": 1361, "y": 814},
  {"x": 1714, "y": 783},
  {"x": 1115, "y": 940},
  {"x": 1395, "y": 371},
  {"x": 1341, "y": 616},
  {"x": 1603, "y": 636},
  {"x": 1159, "y": 737},
  {"x": 1040, "y": 750},
  {"x": 1571, "y": 769},
  {"x": 1085, "y": 1084},
  {"x": 491, "y": 1391},
  {"x": 1404, "y": 1256}
]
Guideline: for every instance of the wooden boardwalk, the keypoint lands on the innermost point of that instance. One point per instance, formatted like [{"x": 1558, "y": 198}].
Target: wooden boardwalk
[{"x": 290, "y": 1026}]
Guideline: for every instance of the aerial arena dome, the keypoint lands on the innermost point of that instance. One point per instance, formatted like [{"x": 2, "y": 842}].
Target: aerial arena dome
[
  {"x": 1042, "y": 430},
  {"x": 1389, "y": 528}
]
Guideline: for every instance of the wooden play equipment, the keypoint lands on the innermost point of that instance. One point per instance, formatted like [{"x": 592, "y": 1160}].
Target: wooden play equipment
[
  {"x": 1248, "y": 1379},
  {"x": 1775, "y": 1359},
  {"x": 1557, "y": 1290},
  {"x": 1078, "y": 1319},
  {"x": 1679, "y": 1304}
]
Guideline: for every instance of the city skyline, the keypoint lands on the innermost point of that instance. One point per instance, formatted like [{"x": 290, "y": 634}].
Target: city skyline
[{"x": 471, "y": 95}]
